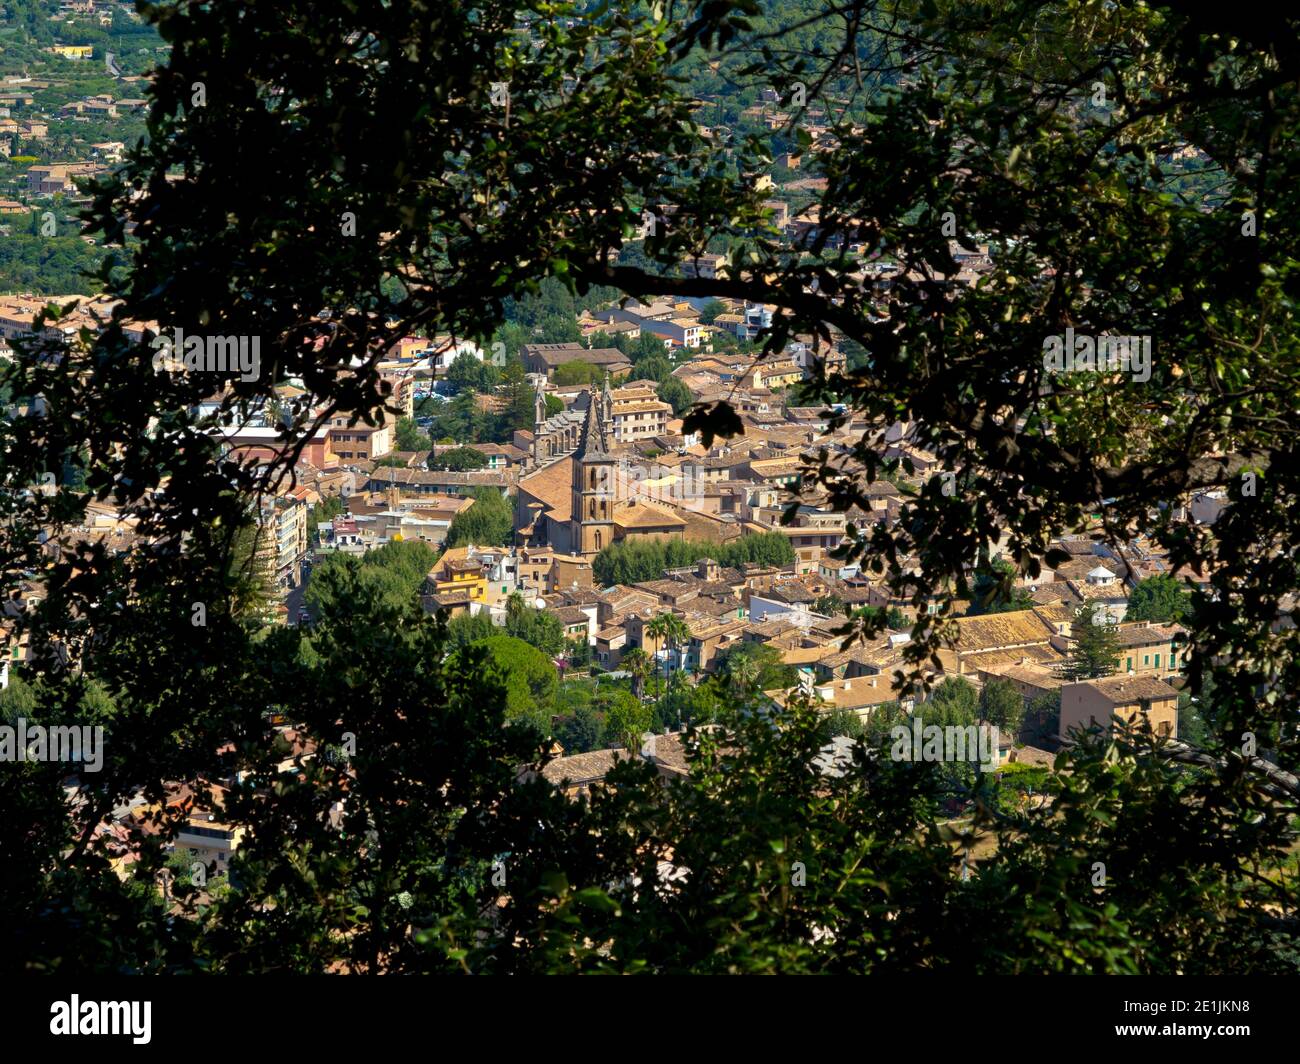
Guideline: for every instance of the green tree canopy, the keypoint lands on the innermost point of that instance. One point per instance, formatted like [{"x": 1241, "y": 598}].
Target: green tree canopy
[
  {"x": 1158, "y": 598},
  {"x": 409, "y": 437},
  {"x": 675, "y": 394},
  {"x": 529, "y": 676},
  {"x": 459, "y": 459},
  {"x": 1094, "y": 649},
  {"x": 489, "y": 522},
  {"x": 577, "y": 372}
]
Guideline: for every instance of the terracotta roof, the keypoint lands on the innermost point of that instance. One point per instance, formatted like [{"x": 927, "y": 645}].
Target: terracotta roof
[
  {"x": 583, "y": 768},
  {"x": 553, "y": 487},
  {"x": 1124, "y": 689},
  {"x": 1147, "y": 634},
  {"x": 994, "y": 630},
  {"x": 638, "y": 514}
]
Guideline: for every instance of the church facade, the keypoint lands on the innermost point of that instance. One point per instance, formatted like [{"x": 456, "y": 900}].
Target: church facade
[{"x": 576, "y": 500}]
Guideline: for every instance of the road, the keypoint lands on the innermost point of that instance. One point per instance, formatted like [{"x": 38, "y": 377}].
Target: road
[{"x": 294, "y": 600}]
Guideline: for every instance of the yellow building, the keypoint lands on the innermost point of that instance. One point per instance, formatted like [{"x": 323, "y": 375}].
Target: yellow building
[
  {"x": 73, "y": 51},
  {"x": 209, "y": 841},
  {"x": 457, "y": 572}
]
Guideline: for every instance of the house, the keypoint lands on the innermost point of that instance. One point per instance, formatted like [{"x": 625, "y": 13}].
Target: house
[
  {"x": 47, "y": 180},
  {"x": 1030, "y": 678},
  {"x": 72, "y": 51},
  {"x": 576, "y": 774},
  {"x": 283, "y": 533},
  {"x": 860, "y": 695},
  {"x": 578, "y": 622},
  {"x": 208, "y": 840},
  {"x": 1151, "y": 647},
  {"x": 438, "y": 482},
  {"x": 609, "y": 646},
  {"x": 813, "y": 534},
  {"x": 457, "y": 572},
  {"x": 708, "y": 266},
  {"x": 358, "y": 442},
  {"x": 1096, "y": 703},
  {"x": 677, "y": 324},
  {"x": 545, "y": 359},
  {"x": 638, "y": 413},
  {"x": 1018, "y": 637}
]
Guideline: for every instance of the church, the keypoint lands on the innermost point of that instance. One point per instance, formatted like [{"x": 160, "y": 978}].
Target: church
[{"x": 579, "y": 499}]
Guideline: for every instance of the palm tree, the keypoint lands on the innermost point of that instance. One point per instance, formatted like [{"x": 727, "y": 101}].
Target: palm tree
[
  {"x": 637, "y": 662},
  {"x": 671, "y": 630}
]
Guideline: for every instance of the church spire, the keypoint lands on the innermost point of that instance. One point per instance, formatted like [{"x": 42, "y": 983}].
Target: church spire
[
  {"x": 539, "y": 405},
  {"x": 595, "y": 434}
]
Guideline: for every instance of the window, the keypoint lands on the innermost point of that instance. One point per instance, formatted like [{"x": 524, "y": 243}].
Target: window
[
  {"x": 1157, "y": 661},
  {"x": 1128, "y": 664}
]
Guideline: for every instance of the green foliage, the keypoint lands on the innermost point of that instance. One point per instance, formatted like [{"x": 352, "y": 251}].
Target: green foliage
[
  {"x": 559, "y": 329},
  {"x": 693, "y": 704},
  {"x": 1001, "y": 704},
  {"x": 529, "y": 676},
  {"x": 577, "y": 372},
  {"x": 1043, "y": 717},
  {"x": 1158, "y": 598},
  {"x": 829, "y": 605},
  {"x": 461, "y": 420},
  {"x": 489, "y": 522},
  {"x": 58, "y": 265},
  {"x": 1192, "y": 726},
  {"x": 675, "y": 394},
  {"x": 633, "y": 561},
  {"x": 846, "y": 723},
  {"x": 994, "y": 590},
  {"x": 487, "y": 214},
  {"x": 459, "y": 459},
  {"x": 1094, "y": 649},
  {"x": 538, "y": 628},
  {"x": 579, "y": 653},
  {"x": 954, "y": 702},
  {"x": 655, "y": 368},
  {"x": 467, "y": 628},
  {"x": 17, "y": 699},
  {"x": 330, "y": 507},
  {"x": 393, "y": 573},
  {"x": 892, "y": 617},
  {"x": 710, "y": 311},
  {"x": 754, "y": 667},
  {"x": 583, "y": 732},
  {"x": 408, "y": 436},
  {"x": 627, "y": 718},
  {"x": 469, "y": 373}
]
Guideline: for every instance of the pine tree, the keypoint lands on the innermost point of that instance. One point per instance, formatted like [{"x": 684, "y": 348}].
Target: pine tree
[{"x": 1095, "y": 650}]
